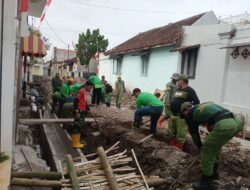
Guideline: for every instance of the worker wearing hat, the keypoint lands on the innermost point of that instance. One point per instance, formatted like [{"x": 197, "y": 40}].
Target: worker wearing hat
[
  {"x": 222, "y": 124},
  {"x": 56, "y": 83},
  {"x": 169, "y": 94},
  {"x": 178, "y": 128},
  {"x": 147, "y": 105}
]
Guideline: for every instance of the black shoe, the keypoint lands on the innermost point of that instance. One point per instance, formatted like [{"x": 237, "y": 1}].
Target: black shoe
[
  {"x": 216, "y": 175},
  {"x": 205, "y": 183},
  {"x": 137, "y": 124}
]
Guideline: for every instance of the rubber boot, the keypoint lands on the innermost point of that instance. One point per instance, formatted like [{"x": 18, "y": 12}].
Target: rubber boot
[
  {"x": 75, "y": 138},
  {"x": 205, "y": 183},
  {"x": 171, "y": 142},
  {"x": 178, "y": 145},
  {"x": 160, "y": 121}
]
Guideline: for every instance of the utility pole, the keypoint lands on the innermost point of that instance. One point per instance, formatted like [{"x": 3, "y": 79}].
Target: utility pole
[
  {"x": 97, "y": 45},
  {"x": 68, "y": 51},
  {"x": 97, "y": 58}
]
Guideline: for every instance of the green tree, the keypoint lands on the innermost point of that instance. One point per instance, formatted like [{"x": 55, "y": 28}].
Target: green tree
[{"x": 89, "y": 43}]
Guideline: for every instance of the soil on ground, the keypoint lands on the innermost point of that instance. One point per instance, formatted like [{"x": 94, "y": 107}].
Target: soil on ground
[{"x": 157, "y": 158}]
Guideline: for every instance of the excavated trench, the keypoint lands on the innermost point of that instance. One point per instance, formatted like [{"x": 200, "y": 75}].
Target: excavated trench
[{"x": 157, "y": 158}]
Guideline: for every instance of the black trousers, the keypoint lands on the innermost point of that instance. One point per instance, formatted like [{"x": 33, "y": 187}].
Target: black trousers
[{"x": 96, "y": 96}]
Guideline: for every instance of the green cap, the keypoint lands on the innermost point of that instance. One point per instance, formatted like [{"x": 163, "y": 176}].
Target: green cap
[{"x": 183, "y": 77}]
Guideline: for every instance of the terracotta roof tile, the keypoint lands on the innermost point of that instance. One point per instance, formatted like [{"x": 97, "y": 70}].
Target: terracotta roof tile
[{"x": 165, "y": 35}]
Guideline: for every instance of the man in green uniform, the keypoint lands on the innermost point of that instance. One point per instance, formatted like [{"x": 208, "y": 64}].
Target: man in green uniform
[
  {"x": 104, "y": 82},
  {"x": 222, "y": 124},
  {"x": 169, "y": 94},
  {"x": 147, "y": 105},
  {"x": 178, "y": 128},
  {"x": 61, "y": 97},
  {"x": 75, "y": 88},
  {"x": 56, "y": 83},
  {"x": 108, "y": 94},
  {"x": 97, "y": 91},
  {"x": 119, "y": 90}
]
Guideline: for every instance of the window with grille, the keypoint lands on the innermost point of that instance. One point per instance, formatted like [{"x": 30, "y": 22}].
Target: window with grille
[
  {"x": 188, "y": 63},
  {"x": 144, "y": 64},
  {"x": 117, "y": 66}
]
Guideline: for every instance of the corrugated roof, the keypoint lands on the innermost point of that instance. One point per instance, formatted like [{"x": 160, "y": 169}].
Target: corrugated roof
[{"x": 162, "y": 36}]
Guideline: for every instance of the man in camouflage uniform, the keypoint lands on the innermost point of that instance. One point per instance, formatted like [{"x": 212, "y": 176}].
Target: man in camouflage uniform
[
  {"x": 80, "y": 109},
  {"x": 169, "y": 94},
  {"x": 178, "y": 128}
]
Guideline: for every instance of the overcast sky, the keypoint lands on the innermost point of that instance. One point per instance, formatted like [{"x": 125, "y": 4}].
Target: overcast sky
[{"x": 119, "y": 20}]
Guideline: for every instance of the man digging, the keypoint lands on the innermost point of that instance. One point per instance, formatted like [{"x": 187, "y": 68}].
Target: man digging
[
  {"x": 222, "y": 124},
  {"x": 147, "y": 105}
]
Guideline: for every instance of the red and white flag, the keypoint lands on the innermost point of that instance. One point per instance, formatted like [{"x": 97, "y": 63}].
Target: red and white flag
[
  {"x": 24, "y": 7},
  {"x": 45, "y": 10}
]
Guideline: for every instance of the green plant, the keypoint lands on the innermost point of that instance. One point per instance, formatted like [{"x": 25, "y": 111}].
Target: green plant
[{"x": 3, "y": 157}]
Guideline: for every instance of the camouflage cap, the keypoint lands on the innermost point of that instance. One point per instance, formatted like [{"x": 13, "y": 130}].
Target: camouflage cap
[
  {"x": 175, "y": 76},
  {"x": 183, "y": 77}
]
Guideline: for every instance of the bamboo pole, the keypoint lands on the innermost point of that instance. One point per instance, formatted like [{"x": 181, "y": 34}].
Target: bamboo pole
[
  {"x": 72, "y": 173},
  {"x": 144, "y": 139},
  {"x": 41, "y": 174},
  {"x": 35, "y": 182},
  {"x": 137, "y": 163},
  {"x": 107, "y": 168},
  {"x": 184, "y": 172}
]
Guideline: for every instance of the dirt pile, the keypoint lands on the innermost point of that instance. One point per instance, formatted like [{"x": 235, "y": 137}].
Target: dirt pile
[
  {"x": 113, "y": 115},
  {"x": 128, "y": 101}
]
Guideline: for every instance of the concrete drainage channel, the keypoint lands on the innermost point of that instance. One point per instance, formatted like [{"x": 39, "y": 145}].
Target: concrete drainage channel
[{"x": 57, "y": 143}]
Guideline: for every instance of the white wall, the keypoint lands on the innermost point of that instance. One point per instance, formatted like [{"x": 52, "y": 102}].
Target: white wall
[
  {"x": 8, "y": 70},
  {"x": 162, "y": 64},
  {"x": 210, "y": 61},
  {"x": 37, "y": 69},
  {"x": 237, "y": 84},
  {"x": 208, "y": 18}
]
